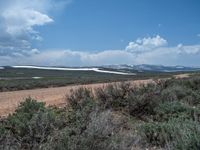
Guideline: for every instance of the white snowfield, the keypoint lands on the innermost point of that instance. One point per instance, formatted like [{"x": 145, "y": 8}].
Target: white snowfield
[
  {"x": 75, "y": 69},
  {"x": 36, "y": 77},
  {"x": 1, "y": 67}
]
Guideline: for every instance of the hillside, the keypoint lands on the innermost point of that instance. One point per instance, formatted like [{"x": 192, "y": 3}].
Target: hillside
[
  {"x": 23, "y": 78},
  {"x": 160, "y": 115},
  {"x": 51, "y": 96}
]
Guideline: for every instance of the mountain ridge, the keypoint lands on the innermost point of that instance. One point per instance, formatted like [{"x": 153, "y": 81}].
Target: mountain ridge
[{"x": 122, "y": 67}]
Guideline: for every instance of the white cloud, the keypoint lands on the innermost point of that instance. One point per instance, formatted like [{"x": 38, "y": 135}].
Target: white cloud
[
  {"x": 18, "y": 19},
  {"x": 190, "y": 50},
  {"x": 107, "y": 57},
  {"x": 187, "y": 55},
  {"x": 72, "y": 58},
  {"x": 22, "y": 20},
  {"x": 146, "y": 44}
]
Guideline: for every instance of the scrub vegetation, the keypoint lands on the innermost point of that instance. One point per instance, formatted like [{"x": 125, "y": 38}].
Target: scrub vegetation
[
  {"x": 12, "y": 79},
  {"x": 165, "y": 115}
]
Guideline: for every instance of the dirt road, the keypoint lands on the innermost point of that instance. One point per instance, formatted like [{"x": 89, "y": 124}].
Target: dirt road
[{"x": 51, "y": 96}]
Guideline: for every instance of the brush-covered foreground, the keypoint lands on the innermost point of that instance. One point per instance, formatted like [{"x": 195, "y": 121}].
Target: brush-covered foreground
[{"x": 165, "y": 115}]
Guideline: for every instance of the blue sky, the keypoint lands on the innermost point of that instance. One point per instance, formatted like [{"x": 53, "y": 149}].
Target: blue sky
[
  {"x": 99, "y": 32},
  {"x": 104, "y": 24}
]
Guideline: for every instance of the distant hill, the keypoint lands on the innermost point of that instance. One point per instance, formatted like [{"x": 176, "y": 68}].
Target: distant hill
[
  {"x": 152, "y": 68},
  {"x": 116, "y": 69}
]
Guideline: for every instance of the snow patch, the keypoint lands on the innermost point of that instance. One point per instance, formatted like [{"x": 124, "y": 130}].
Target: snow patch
[
  {"x": 1, "y": 67},
  {"x": 113, "y": 72},
  {"x": 36, "y": 77},
  {"x": 180, "y": 67},
  {"x": 75, "y": 69}
]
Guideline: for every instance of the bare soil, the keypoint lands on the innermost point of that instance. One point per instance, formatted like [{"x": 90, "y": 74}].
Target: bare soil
[
  {"x": 185, "y": 75},
  {"x": 51, "y": 96}
]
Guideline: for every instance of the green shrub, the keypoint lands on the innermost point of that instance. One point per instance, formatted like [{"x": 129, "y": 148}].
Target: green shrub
[
  {"x": 142, "y": 101},
  {"x": 114, "y": 96},
  {"x": 104, "y": 131},
  {"x": 181, "y": 93},
  {"x": 192, "y": 83},
  {"x": 80, "y": 104},
  {"x": 176, "y": 133},
  {"x": 168, "y": 110},
  {"x": 20, "y": 119},
  {"x": 30, "y": 125},
  {"x": 164, "y": 115},
  {"x": 80, "y": 98}
]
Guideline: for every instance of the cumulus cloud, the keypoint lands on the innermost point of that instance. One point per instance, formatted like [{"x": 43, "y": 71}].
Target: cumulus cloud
[
  {"x": 18, "y": 19},
  {"x": 184, "y": 55},
  {"x": 70, "y": 58},
  {"x": 146, "y": 44},
  {"x": 156, "y": 52}
]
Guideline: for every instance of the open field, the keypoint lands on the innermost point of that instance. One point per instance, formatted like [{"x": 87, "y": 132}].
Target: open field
[
  {"x": 51, "y": 86},
  {"x": 13, "y": 79},
  {"x": 164, "y": 115},
  {"x": 51, "y": 96},
  {"x": 54, "y": 95}
]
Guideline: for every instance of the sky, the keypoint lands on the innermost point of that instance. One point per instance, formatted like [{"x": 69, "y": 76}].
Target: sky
[{"x": 99, "y": 32}]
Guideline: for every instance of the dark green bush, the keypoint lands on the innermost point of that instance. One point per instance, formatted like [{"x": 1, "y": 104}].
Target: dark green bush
[
  {"x": 142, "y": 101},
  {"x": 80, "y": 98},
  {"x": 163, "y": 115},
  {"x": 20, "y": 119},
  {"x": 89, "y": 127},
  {"x": 104, "y": 131},
  {"x": 176, "y": 133},
  {"x": 114, "y": 96},
  {"x": 168, "y": 110},
  {"x": 30, "y": 125},
  {"x": 181, "y": 93},
  {"x": 80, "y": 104}
]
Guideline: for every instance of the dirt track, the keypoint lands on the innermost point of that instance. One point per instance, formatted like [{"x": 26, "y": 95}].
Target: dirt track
[{"x": 51, "y": 96}]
